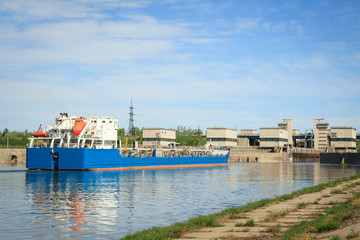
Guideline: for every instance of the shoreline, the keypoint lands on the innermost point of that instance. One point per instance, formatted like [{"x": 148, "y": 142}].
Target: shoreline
[{"x": 252, "y": 220}]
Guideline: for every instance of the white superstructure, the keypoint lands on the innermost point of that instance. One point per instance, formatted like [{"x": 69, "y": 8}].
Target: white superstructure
[{"x": 80, "y": 132}]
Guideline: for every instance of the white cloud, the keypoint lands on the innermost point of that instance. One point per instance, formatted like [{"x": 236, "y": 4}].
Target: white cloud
[
  {"x": 21, "y": 10},
  {"x": 247, "y": 23},
  {"x": 88, "y": 41},
  {"x": 202, "y": 40},
  {"x": 71, "y": 32},
  {"x": 32, "y": 10},
  {"x": 263, "y": 24},
  {"x": 79, "y": 57}
]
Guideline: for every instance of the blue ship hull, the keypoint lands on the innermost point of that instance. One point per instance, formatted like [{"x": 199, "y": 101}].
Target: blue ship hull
[{"x": 109, "y": 159}]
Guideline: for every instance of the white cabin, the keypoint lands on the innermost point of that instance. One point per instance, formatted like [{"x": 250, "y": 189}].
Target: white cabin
[{"x": 98, "y": 133}]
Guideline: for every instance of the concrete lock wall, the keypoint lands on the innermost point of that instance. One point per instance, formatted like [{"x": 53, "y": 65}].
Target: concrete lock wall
[
  {"x": 340, "y": 158},
  {"x": 12, "y": 155},
  {"x": 253, "y": 154}
]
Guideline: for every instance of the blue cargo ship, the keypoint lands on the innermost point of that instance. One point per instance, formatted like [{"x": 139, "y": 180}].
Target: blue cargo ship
[{"x": 91, "y": 144}]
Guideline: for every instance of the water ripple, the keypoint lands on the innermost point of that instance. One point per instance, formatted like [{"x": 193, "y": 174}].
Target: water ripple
[{"x": 108, "y": 205}]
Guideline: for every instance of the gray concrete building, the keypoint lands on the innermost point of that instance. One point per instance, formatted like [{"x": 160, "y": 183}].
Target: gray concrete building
[
  {"x": 287, "y": 124},
  {"x": 275, "y": 137},
  {"x": 221, "y": 137},
  {"x": 343, "y": 139},
  {"x": 321, "y": 133},
  {"x": 248, "y": 137},
  {"x": 158, "y": 137}
]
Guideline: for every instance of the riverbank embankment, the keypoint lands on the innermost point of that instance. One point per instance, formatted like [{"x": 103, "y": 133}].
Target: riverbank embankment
[
  {"x": 325, "y": 211},
  {"x": 274, "y": 220},
  {"x": 12, "y": 156}
]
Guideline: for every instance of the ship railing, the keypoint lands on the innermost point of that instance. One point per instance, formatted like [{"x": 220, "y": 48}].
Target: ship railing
[
  {"x": 94, "y": 143},
  {"x": 56, "y": 142},
  {"x": 39, "y": 142}
]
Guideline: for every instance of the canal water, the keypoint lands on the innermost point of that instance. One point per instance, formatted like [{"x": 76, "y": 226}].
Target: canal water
[{"x": 109, "y": 205}]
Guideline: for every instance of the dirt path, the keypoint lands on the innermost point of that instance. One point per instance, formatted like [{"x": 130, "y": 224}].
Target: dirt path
[{"x": 272, "y": 220}]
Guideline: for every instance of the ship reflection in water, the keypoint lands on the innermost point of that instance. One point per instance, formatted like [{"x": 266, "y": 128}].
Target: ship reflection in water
[
  {"x": 76, "y": 201},
  {"x": 109, "y": 205}
]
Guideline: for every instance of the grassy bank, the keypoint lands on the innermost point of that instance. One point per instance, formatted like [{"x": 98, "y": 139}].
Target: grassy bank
[
  {"x": 334, "y": 217},
  {"x": 213, "y": 220}
]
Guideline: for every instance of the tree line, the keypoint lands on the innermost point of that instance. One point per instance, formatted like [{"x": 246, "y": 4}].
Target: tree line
[
  {"x": 184, "y": 136},
  {"x": 190, "y": 137},
  {"x": 14, "y": 139}
]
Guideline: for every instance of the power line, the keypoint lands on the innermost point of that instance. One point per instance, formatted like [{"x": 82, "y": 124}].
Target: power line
[{"x": 131, "y": 129}]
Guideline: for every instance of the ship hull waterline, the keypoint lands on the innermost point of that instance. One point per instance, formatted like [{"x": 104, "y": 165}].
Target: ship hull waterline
[{"x": 110, "y": 160}]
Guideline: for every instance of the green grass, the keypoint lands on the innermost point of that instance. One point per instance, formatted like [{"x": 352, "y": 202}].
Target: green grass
[
  {"x": 274, "y": 229},
  {"x": 353, "y": 234},
  {"x": 331, "y": 220},
  {"x": 177, "y": 229},
  {"x": 249, "y": 223},
  {"x": 301, "y": 205},
  {"x": 237, "y": 216},
  {"x": 351, "y": 185},
  {"x": 337, "y": 191},
  {"x": 275, "y": 215}
]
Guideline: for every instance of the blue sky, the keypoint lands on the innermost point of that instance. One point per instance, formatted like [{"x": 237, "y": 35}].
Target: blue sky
[{"x": 243, "y": 64}]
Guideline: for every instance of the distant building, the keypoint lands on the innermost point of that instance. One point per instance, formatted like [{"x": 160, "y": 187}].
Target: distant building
[
  {"x": 248, "y": 137},
  {"x": 303, "y": 140},
  {"x": 321, "y": 133},
  {"x": 274, "y": 137},
  {"x": 158, "y": 137},
  {"x": 295, "y": 132},
  {"x": 343, "y": 139},
  {"x": 287, "y": 125},
  {"x": 247, "y": 132},
  {"x": 221, "y": 137}
]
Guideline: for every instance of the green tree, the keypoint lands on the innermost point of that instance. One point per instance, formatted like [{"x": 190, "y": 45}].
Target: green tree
[
  {"x": 137, "y": 131},
  {"x": 131, "y": 139},
  {"x": 189, "y": 137},
  {"x": 121, "y": 132},
  {"x": 16, "y": 139},
  {"x": 6, "y": 131}
]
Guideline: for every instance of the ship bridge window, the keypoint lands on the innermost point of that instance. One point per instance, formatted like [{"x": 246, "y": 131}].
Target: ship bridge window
[
  {"x": 103, "y": 121},
  {"x": 110, "y": 121}
]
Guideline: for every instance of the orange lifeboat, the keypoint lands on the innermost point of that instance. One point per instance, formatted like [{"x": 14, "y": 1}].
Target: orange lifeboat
[
  {"x": 40, "y": 134},
  {"x": 78, "y": 126}
]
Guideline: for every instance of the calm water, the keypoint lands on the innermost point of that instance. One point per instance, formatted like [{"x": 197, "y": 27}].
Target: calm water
[{"x": 109, "y": 205}]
